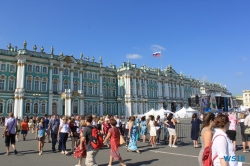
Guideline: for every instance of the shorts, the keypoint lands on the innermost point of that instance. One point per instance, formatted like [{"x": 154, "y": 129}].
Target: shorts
[
  {"x": 10, "y": 139},
  {"x": 24, "y": 131},
  {"x": 171, "y": 131},
  {"x": 231, "y": 134},
  {"x": 40, "y": 138}
]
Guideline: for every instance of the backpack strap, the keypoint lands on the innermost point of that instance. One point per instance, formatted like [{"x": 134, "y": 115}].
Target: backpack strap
[{"x": 212, "y": 144}]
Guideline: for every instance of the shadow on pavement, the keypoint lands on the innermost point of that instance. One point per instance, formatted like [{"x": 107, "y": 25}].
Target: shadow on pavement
[
  {"x": 115, "y": 162},
  {"x": 149, "y": 162}
]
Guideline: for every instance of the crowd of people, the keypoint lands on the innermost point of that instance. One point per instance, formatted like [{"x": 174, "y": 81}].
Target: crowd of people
[{"x": 88, "y": 134}]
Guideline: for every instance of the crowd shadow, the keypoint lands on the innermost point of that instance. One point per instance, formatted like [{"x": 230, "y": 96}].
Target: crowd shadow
[{"x": 149, "y": 162}]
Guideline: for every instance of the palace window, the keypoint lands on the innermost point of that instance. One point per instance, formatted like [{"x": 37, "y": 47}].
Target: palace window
[
  {"x": 155, "y": 93},
  {"x": 90, "y": 109},
  {"x": 9, "y": 107},
  {"x": 152, "y": 93},
  {"x": 108, "y": 79},
  {"x": 28, "y": 85},
  {"x": 3, "y": 67},
  {"x": 44, "y": 85},
  {"x": 27, "y": 108},
  {"x": 66, "y": 72},
  {"x": 85, "y": 88},
  {"x": 95, "y": 109},
  {"x": 85, "y": 75},
  {"x": 104, "y": 91},
  {"x": 66, "y": 85},
  {"x": 90, "y": 75},
  {"x": 96, "y": 76},
  {"x": 54, "y": 108},
  {"x": 75, "y": 86},
  {"x": 142, "y": 91},
  {"x": 29, "y": 68},
  {"x": 11, "y": 85},
  {"x": 75, "y": 73},
  {"x": 114, "y": 92},
  {"x": 54, "y": 86},
  {"x": 131, "y": 91},
  {"x": 110, "y": 109},
  {"x": 104, "y": 109},
  {"x": 43, "y": 108},
  {"x": 75, "y": 107},
  {"x": 1, "y": 108},
  {"x": 104, "y": 79},
  {"x": 114, "y": 109},
  {"x": 113, "y": 80},
  {"x": 137, "y": 91},
  {"x": 90, "y": 89},
  {"x": 36, "y": 108},
  {"x": 2, "y": 84},
  {"x": 12, "y": 68},
  {"x": 109, "y": 92},
  {"x": 96, "y": 89},
  {"x": 37, "y": 69},
  {"x": 138, "y": 108},
  {"x": 36, "y": 85},
  {"x": 55, "y": 70},
  {"x": 44, "y": 70}
]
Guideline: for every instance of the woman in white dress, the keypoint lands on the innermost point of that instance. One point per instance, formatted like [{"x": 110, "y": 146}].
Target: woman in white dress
[{"x": 152, "y": 132}]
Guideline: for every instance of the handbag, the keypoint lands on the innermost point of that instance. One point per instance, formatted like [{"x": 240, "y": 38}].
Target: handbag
[
  {"x": 7, "y": 132},
  {"x": 122, "y": 141},
  {"x": 247, "y": 131}
]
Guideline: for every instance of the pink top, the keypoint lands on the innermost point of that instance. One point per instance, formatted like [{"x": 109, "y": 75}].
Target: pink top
[{"x": 233, "y": 122}]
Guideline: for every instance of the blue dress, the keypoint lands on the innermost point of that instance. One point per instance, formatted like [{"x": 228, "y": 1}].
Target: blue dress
[
  {"x": 132, "y": 141},
  {"x": 195, "y": 129},
  {"x": 143, "y": 128}
]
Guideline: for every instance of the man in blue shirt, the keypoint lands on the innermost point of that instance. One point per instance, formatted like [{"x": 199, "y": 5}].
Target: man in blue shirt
[{"x": 53, "y": 126}]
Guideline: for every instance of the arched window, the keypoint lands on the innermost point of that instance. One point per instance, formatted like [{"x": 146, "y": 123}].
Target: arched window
[
  {"x": 54, "y": 108},
  {"x": 163, "y": 92},
  {"x": 66, "y": 85},
  {"x": 109, "y": 92},
  {"x": 90, "y": 88},
  {"x": 2, "y": 82},
  {"x": 85, "y": 74},
  {"x": 44, "y": 85},
  {"x": 114, "y": 92},
  {"x": 66, "y": 72},
  {"x": 37, "y": 82},
  {"x": 55, "y": 85},
  {"x": 43, "y": 108},
  {"x": 36, "y": 108},
  {"x": 10, "y": 106},
  {"x": 110, "y": 109},
  {"x": 104, "y": 91},
  {"x": 11, "y": 84},
  {"x": 90, "y": 75},
  {"x": 27, "y": 108},
  {"x": 96, "y": 89},
  {"x": 37, "y": 69},
  {"x": 104, "y": 109},
  {"x": 45, "y": 70},
  {"x": 75, "y": 73},
  {"x": 55, "y": 70},
  {"x": 152, "y": 92},
  {"x": 75, "y": 86},
  {"x": 114, "y": 109},
  {"x": 12, "y": 68},
  {"x": 3, "y": 67},
  {"x": 1, "y": 108},
  {"x": 75, "y": 107},
  {"x": 90, "y": 109},
  {"x": 95, "y": 109},
  {"x": 85, "y": 88},
  {"x": 29, "y": 68},
  {"x": 104, "y": 79}
]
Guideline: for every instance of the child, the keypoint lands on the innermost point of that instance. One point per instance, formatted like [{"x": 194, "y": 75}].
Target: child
[
  {"x": 40, "y": 134},
  {"x": 18, "y": 129},
  {"x": 80, "y": 152},
  {"x": 24, "y": 128}
]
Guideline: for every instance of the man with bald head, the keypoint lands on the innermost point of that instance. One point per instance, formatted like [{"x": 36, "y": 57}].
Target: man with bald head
[{"x": 10, "y": 127}]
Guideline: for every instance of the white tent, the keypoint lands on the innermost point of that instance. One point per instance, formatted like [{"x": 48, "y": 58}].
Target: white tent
[
  {"x": 190, "y": 112},
  {"x": 162, "y": 112},
  {"x": 151, "y": 112},
  {"x": 181, "y": 113}
]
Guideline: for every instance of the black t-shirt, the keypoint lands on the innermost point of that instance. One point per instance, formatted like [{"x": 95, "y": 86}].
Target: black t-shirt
[{"x": 87, "y": 133}]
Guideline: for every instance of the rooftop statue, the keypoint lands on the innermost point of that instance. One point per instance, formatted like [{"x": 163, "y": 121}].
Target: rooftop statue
[
  {"x": 24, "y": 44},
  {"x": 87, "y": 58},
  {"x": 81, "y": 55},
  {"x": 52, "y": 50},
  {"x": 42, "y": 49},
  {"x": 9, "y": 46},
  {"x": 34, "y": 48},
  {"x": 93, "y": 59},
  {"x": 61, "y": 54},
  {"x": 15, "y": 49}
]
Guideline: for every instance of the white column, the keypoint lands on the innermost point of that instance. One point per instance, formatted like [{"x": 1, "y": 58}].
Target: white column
[
  {"x": 50, "y": 104},
  {"x": 50, "y": 77},
  {"x": 141, "y": 111},
  {"x": 178, "y": 91},
  {"x": 71, "y": 79},
  {"x": 23, "y": 75},
  {"x": 135, "y": 108},
  {"x": 134, "y": 87},
  {"x": 16, "y": 99},
  {"x": 60, "y": 78},
  {"x": 127, "y": 87},
  {"x": 80, "y": 84},
  {"x": 101, "y": 108},
  {"x": 128, "y": 109},
  {"x": 146, "y": 87},
  {"x": 18, "y": 78},
  {"x": 101, "y": 85},
  {"x": 119, "y": 109},
  {"x": 81, "y": 106},
  {"x": 140, "y": 92},
  {"x": 20, "y": 109},
  {"x": 118, "y": 88},
  {"x": 159, "y": 89}
]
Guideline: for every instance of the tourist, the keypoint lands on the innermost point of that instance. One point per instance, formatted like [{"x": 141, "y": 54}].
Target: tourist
[
  {"x": 158, "y": 129},
  {"x": 195, "y": 129},
  {"x": 105, "y": 128},
  {"x": 74, "y": 136},
  {"x": 46, "y": 121},
  {"x": 53, "y": 127},
  {"x": 41, "y": 134},
  {"x": 94, "y": 122},
  {"x": 100, "y": 121},
  {"x": 242, "y": 131},
  {"x": 206, "y": 133},
  {"x": 126, "y": 131},
  {"x": 247, "y": 124},
  {"x": 144, "y": 129},
  {"x": 24, "y": 128},
  {"x": 152, "y": 125},
  {"x": 222, "y": 145},
  {"x": 87, "y": 135},
  {"x": 171, "y": 122},
  {"x": 31, "y": 125},
  {"x": 9, "y": 132},
  {"x": 118, "y": 122},
  {"x": 231, "y": 132},
  {"x": 80, "y": 151},
  {"x": 114, "y": 136},
  {"x": 137, "y": 122},
  {"x": 18, "y": 129},
  {"x": 78, "y": 125},
  {"x": 63, "y": 133},
  {"x": 133, "y": 129}
]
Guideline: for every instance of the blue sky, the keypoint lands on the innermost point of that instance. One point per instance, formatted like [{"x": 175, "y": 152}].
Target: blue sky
[{"x": 206, "y": 39}]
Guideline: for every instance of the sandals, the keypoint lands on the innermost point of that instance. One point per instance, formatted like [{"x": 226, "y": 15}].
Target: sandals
[
  {"x": 63, "y": 152},
  {"x": 129, "y": 150},
  {"x": 138, "y": 152}
]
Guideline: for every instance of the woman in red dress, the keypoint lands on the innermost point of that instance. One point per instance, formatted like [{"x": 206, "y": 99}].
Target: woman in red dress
[
  {"x": 114, "y": 136},
  {"x": 105, "y": 128},
  {"x": 80, "y": 151}
]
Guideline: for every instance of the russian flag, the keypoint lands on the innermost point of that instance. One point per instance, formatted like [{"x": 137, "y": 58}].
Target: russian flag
[{"x": 157, "y": 54}]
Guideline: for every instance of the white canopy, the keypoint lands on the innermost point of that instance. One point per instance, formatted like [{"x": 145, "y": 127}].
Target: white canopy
[
  {"x": 161, "y": 113},
  {"x": 182, "y": 113},
  {"x": 151, "y": 112},
  {"x": 191, "y": 110}
]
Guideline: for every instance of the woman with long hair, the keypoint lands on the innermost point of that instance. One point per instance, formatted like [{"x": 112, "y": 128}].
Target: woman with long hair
[
  {"x": 114, "y": 136},
  {"x": 171, "y": 122},
  {"x": 105, "y": 128},
  {"x": 195, "y": 129},
  {"x": 231, "y": 132},
  {"x": 40, "y": 132},
  {"x": 133, "y": 129},
  {"x": 206, "y": 133},
  {"x": 222, "y": 146},
  {"x": 74, "y": 136},
  {"x": 152, "y": 125},
  {"x": 143, "y": 126}
]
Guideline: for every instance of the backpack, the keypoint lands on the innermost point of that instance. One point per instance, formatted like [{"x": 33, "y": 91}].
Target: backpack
[
  {"x": 96, "y": 139},
  {"x": 207, "y": 159}
]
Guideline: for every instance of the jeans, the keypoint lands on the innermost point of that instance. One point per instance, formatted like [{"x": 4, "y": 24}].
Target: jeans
[
  {"x": 158, "y": 134},
  {"x": 54, "y": 140},
  {"x": 63, "y": 140}
]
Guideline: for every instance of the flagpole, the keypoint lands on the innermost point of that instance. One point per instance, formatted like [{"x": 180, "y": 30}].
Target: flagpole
[{"x": 161, "y": 60}]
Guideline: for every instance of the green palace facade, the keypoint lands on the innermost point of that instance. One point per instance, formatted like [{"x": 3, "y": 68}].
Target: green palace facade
[{"x": 35, "y": 82}]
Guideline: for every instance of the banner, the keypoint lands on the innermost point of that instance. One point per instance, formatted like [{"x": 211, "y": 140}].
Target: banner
[
  {"x": 213, "y": 102},
  {"x": 205, "y": 101}
]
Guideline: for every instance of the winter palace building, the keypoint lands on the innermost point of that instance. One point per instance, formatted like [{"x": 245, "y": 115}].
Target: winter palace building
[{"x": 35, "y": 83}]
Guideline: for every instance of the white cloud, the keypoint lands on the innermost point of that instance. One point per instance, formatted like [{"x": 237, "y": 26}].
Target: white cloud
[
  {"x": 244, "y": 58},
  {"x": 156, "y": 47},
  {"x": 238, "y": 73},
  {"x": 133, "y": 56}
]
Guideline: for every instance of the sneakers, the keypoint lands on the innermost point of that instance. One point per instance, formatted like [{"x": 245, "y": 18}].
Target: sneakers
[
  {"x": 15, "y": 152},
  {"x": 174, "y": 146},
  {"x": 170, "y": 145}
]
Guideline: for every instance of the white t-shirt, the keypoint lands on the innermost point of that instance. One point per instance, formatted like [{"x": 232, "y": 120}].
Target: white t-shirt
[
  {"x": 65, "y": 128},
  {"x": 223, "y": 147},
  {"x": 118, "y": 121}
]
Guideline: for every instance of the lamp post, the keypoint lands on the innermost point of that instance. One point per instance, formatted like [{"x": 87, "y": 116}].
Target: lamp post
[
  {"x": 36, "y": 95},
  {"x": 119, "y": 101}
]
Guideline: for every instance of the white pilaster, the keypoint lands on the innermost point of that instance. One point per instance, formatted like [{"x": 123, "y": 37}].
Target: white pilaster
[
  {"x": 20, "y": 109},
  {"x": 80, "y": 84},
  {"x": 128, "y": 109},
  {"x": 140, "y": 92},
  {"x": 23, "y": 75},
  {"x": 50, "y": 77},
  {"x": 67, "y": 102},
  {"x": 81, "y": 106},
  {"x": 18, "y": 79},
  {"x": 119, "y": 88},
  {"x": 101, "y": 86},
  {"x": 141, "y": 110},
  {"x": 146, "y": 87},
  {"x": 60, "y": 78},
  {"x": 134, "y": 86},
  {"x": 71, "y": 79},
  {"x": 101, "y": 108}
]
